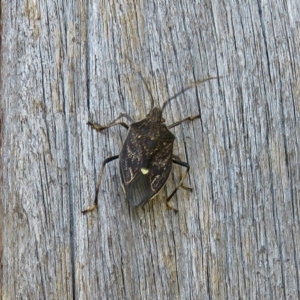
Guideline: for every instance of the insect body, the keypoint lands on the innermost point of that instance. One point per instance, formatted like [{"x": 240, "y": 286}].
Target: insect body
[{"x": 146, "y": 157}]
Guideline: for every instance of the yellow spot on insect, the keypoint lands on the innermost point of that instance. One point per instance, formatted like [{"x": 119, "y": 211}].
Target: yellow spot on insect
[{"x": 144, "y": 171}]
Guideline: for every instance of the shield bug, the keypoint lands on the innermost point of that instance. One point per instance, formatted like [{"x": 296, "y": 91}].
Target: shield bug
[{"x": 146, "y": 158}]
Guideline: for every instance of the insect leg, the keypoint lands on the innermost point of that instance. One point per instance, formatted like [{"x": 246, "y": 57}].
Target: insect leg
[
  {"x": 176, "y": 157},
  {"x": 183, "y": 164},
  {"x": 181, "y": 121},
  {"x": 107, "y": 160},
  {"x": 99, "y": 127}
]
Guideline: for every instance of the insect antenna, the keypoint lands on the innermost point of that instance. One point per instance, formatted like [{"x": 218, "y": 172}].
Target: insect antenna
[
  {"x": 133, "y": 65},
  {"x": 187, "y": 88}
]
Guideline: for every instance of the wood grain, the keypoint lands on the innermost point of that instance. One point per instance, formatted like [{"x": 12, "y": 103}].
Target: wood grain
[{"x": 236, "y": 236}]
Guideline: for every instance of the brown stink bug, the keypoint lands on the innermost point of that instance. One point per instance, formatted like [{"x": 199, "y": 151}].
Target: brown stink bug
[{"x": 146, "y": 158}]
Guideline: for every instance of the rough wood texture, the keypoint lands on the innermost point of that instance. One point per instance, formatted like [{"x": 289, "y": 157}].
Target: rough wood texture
[{"x": 237, "y": 236}]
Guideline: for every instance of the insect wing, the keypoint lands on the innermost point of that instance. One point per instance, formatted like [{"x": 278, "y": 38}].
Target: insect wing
[
  {"x": 131, "y": 158},
  {"x": 161, "y": 166},
  {"x": 148, "y": 182},
  {"x": 139, "y": 191},
  {"x": 136, "y": 185}
]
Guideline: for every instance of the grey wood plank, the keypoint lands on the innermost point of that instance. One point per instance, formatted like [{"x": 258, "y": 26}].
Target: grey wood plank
[{"x": 236, "y": 236}]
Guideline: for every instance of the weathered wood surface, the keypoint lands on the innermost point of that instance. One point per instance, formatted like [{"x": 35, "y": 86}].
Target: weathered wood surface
[{"x": 237, "y": 236}]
